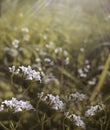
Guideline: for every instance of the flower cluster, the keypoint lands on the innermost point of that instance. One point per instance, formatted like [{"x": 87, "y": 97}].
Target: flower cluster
[
  {"x": 94, "y": 109},
  {"x": 64, "y": 53},
  {"x": 77, "y": 119},
  {"x": 92, "y": 82},
  {"x": 15, "y": 105},
  {"x": 78, "y": 96},
  {"x": 57, "y": 104},
  {"x": 84, "y": 71},
  {"x": 15, "y": 43},
  {"x": 27, "y": 71}
]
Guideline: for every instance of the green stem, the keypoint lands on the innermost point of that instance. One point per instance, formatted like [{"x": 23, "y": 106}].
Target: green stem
[
  {"x": 4, "y": 126},
  {"x": 101, "y": 81}
]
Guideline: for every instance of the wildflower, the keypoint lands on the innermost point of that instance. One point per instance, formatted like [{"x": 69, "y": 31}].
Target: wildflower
[
  {"x": 78, "y": 96},
  {"x": 12, "y": 69},
  {"x": 15, "y": 43},
  {"x": 47, "y": 60},
  {"x": 15, "y": 105},
  {"x": 30, "y": 73},
  {"x": 92, "y": 82},
  {"x": 81, "y": 73},
  {"x": 40, "y": 95},
  {"x": 67, "y": 61},
  {"x": 88, "y": 66},
  {"x": 1, "y": 107},
  {"x": 38, "y": 60},
  {"x": 58, "y": 50},
  {"x": 77, "y": 119},
  {"x": 27, "y": 71},
  {"x": 86, "y": 62},
  {"x": 65, "y": 53},
  {"x": 93, "y": 109},
  {"x": 82, "y": 49},
  {"x": 55, "y": 101},
  {"x": 25, "y": 29}
]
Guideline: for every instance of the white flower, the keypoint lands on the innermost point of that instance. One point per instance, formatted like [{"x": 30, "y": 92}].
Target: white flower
[
  {"x": 58, "y": 50},
  {"x": 65, "y": 53},
  {"x": 40, "y": 95},
  {"x": 86, "y": 62},
  {"x": 77, "y": 119},
  {"x": 88, "y": 66},
  {"x": 38, "y": 60},
  {"x": 82, "y": 49},
  {"x": 92, "y": 82},
  {"x": 94, "y": 109},
  {"x": 78, "y": 96},
  {"x": 16, "y": 105},
  {"x": 27, "y": 71},
  {"x": 47, "y": 60},
  {"x": 1, "y": 107},
  {"x": 67, "y": 61},
  {"x": 15, "y": 43},
  {"x": 81, "y": 73},
  {"x": 12, "y": 69},
  {"x": 25, "y": 29},
  {"x": 55, "y": 101}
]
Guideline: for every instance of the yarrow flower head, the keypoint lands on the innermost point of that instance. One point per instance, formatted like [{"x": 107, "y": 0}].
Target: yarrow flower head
[
  {"x": 57, "y": 104},
  {"x": 94, "y": 109},
  {"x": 27, "y": 71},
  {"x": 77, "y": 119},
  {"x": 78, "y": 96},
  {"x": 15, "y": 105}
]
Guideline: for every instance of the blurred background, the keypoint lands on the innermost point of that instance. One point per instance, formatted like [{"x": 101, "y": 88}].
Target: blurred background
[{"x": 74, "y": 25}]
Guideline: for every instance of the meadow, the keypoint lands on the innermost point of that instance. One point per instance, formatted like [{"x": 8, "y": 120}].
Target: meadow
[{"x": 54, "y": 66}]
